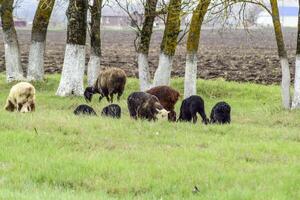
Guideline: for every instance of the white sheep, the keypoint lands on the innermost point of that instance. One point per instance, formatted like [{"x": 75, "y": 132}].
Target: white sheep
[{"x": 21, "y": 98}]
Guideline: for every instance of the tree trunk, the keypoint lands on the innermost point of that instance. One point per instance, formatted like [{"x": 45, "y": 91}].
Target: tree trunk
[
  {"x": 144, "y": 73},
  {"x": 190, "y": 76},
  {"x": 296, "y": 100},
  {"x": 13, "y": 65},
  {"x": 143, "y": 49},
  {"x": 71, "y": 82},
  {"x": 168, "y": 45},
  {"x": 93, "y": 69},
  {"x": 286, "y": 76},
  {"x": 190, "y": 79},
  {"x": 35, "y": 70}
]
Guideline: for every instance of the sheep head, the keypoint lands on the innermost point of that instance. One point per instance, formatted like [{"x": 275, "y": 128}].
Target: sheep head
[
  {"x": 162, "y": 114},
  {"x": 88, "y": 93}
]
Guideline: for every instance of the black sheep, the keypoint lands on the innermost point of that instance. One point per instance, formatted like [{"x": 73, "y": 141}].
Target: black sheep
[
  {"x": 190, "y": 107},
  {"x": 84, "y": 110},
  {"x": 112, "y": 110},
  {"x": 145, "y": 106},
  {"x": 220, "y": 113}
]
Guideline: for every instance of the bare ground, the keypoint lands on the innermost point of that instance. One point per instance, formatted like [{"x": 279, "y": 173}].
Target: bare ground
[{"x": 233, "y": 55}]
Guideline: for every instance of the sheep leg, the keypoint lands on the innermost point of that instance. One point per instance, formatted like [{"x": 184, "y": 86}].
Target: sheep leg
[
  {"x": 133, "y": 113},
  {"x": 172, "y": 116},
  {"x": 111, "y": 98},
  {"x": 32, "y": 107},
  {"x": 203, "y": 116},
  {"x": 20, "y": 105},
  {"x": 180, "y": 117},
  {"x": 119, "y": 96},
  {"x": 195, "y": 118}
]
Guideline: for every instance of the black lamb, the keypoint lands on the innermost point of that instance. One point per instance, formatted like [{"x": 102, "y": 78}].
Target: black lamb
[
  {"x": 112, "y": 110},
  {"x": 190, "y": 107},
  {"x": 84, "y": 110},
  {"x": 220, "y": 113}
]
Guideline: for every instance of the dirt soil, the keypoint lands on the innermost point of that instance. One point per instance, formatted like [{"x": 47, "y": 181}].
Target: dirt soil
[{"x": 233, "y": 55}]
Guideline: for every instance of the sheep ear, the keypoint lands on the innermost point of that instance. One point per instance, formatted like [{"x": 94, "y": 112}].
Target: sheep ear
[{"x": 158, "y": 110}]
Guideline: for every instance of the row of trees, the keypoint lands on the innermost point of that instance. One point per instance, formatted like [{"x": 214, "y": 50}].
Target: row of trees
[{"x": 71, "y": 82}]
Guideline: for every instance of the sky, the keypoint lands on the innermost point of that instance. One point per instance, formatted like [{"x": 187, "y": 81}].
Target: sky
[{"x": 26, "y": 9}]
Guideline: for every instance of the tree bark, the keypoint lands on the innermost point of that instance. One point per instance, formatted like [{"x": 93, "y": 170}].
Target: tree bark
[
  {"x": 42, "y": 16},
  {"x": 144, "y": 44},
  {"x": 13, "y": 65},
  {"x": 286, "y": 76},
  {"x": 190, "y": 79},
  {"x": 93, "y": 69},
  {"x": 71, "y": 82},
  {"x": 296, "y": 100},
  {"x": 169, "y": 44}
]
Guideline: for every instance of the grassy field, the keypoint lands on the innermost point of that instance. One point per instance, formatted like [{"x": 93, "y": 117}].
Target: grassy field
[{"x": 70, "y": 157}]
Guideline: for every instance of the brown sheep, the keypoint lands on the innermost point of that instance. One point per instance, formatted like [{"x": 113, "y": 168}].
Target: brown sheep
[
  {"x": 109, "y": 82},
  {"x": 167, "y": 97},
  {"x": 21, "y": 98}
]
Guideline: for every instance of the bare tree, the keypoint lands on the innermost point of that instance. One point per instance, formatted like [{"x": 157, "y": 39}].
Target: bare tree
[
  {"x": 38, "y": 40},
  {"x": 168, "y": 45},
  {"x": 94, "y": 63},
  {"x": 274, "y": 12},
  {"x": 170, "y": 13},
  {"x": 285, "y": 69},
  {"x": 71, "y": 82},
  {"x": 12, "y": 51},
  {"x": 190, "y": 80},
  {"x": 296, "y": 100},
  {"x": 144, "y": 44}
]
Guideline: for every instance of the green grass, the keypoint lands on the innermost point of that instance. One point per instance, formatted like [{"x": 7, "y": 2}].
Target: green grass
[{"x": 70, "y": 157}]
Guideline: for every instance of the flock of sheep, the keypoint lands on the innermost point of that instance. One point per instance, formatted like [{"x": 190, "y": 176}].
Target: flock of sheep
[{"x": 154, "y": 104}]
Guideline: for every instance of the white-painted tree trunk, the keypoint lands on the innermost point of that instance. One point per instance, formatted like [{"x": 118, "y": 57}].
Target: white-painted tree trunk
[
  {"x": 13, "y": 65},
  {"x": 35, "y": 71},
  {"x": 71, "y": 82},
  {"x": 296, "y": 100},
  {"x": 190, "y": 76},
  {"x": 162, "y": 75},
  {"x": 93, "y": 69},
  {"x": 144, "y": 73},
  {"x": 285, "y": 83}
]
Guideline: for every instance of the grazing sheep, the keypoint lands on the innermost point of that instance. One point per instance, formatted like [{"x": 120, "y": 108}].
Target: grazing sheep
[
  {"x": 112, "y": 110},
  {"x": 167, "y": 97},
  {"x": 21, "y": 98},
  {"x": 145, "y": 106},
  {"x": 190, "y": 107},
  {"x": 109, "y": 82},
  {"x": 84, "y": 110},
  {"x": 220, "y": 113}
]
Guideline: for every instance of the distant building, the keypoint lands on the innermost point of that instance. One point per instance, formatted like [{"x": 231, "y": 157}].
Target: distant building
[
  {"x": 288, "y": 11},
  {"x": 18, "y": 22},
  {"x": 118, "y": 18},
  {"x": 114, "y": 17},
  {"x": 115, "y": 20}
]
